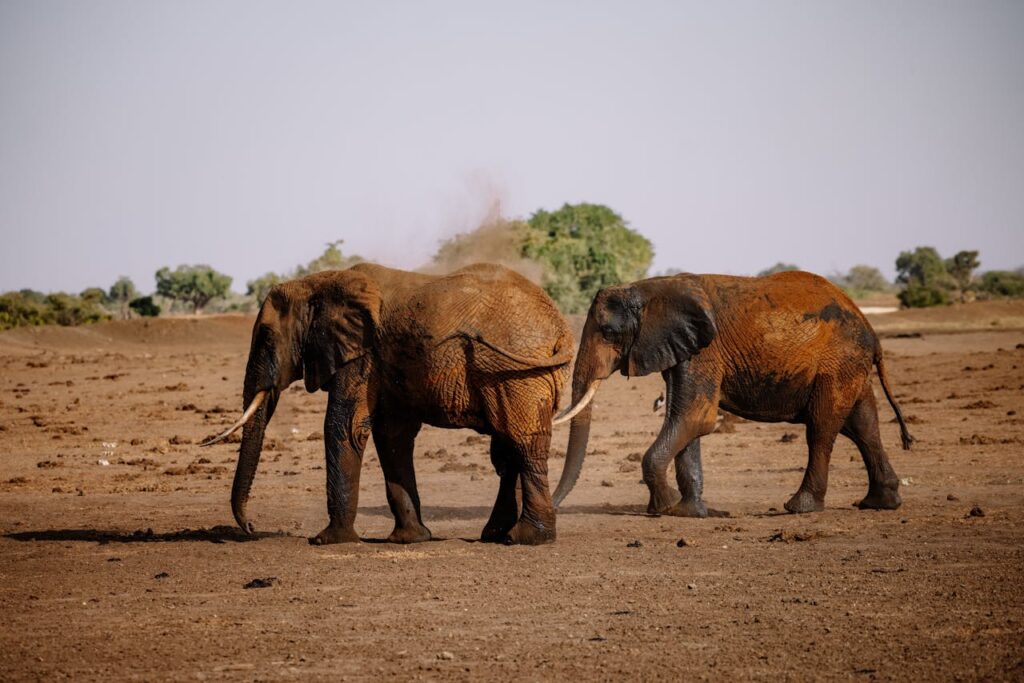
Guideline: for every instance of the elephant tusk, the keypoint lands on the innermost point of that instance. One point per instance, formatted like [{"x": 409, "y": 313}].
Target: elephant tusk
[
  {"x": 571, "y": 412},
  {"x": 246, "y": 416}
]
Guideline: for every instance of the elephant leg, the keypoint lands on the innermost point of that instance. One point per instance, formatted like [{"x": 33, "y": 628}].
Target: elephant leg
[
  {"x": 506, "y": 506},
  {"x": 395, "y": 440},
  {"x": 690, "y": 479},
  {"x": 823, "y": 426},
  {"x": 536, "y": 524},
  {"x": 689, "y": 415},
  {"x": 345, "y": 435},
  {"x": 861, "y": 427}
]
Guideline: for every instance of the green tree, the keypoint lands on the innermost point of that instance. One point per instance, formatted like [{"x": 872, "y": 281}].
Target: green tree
[
  {"x": 121, "y": 295},
  {"x": 582, "y": 248},
  {"x": 961, "y": 268},
  {"x": 925, "y": 281},
  {"x": 194, "y": 285},
  {"x": 259, "y": 288},
  {"x": 145, "y": 307},
  {"x": 779, "y": 267}
]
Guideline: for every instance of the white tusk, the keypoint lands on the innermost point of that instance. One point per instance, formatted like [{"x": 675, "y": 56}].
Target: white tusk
[
  {"x": 246, "y": 416},
  {"x": 572, "y": 411}
]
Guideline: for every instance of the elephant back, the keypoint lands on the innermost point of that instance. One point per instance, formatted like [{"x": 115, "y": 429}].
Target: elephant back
[{"x": 499, "y": 305}]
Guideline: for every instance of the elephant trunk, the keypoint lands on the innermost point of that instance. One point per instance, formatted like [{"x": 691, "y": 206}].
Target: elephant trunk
[
  {"x": 583, "y": 386},
  {"x": 262, "y": 387},
  {"x": 248, "y": 460}
]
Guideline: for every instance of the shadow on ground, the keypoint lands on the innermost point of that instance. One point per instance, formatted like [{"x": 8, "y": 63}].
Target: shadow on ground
[
  {"x": 217, "y": 534},
  {"x": 443, "y": 512}
]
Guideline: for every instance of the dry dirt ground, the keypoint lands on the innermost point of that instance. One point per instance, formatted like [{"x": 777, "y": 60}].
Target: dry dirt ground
[{"x": 118, "y": 558}]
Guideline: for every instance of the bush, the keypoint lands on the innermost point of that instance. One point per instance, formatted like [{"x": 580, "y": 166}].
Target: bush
[
  {"x": 144, "y": 306},
  {"x": 122, "y": 293},
  {"x": 861, "y": 281},
  {"x": 21, "y": 308},
  {"x": 961, "y": 268},
  {"x": 1002, "y": 283},
  {"x": 582, "y": 248},
  {"x": 194, "y": 285},
  {"x": 924, "y": 277},
  {"x": 331, "y": 259},
  {"x": 27, "y": 307},
  {"x": 259, "y": 288}
]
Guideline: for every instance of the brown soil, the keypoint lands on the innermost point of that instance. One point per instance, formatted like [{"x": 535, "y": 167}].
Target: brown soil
[{"x": 118, "y": 558}]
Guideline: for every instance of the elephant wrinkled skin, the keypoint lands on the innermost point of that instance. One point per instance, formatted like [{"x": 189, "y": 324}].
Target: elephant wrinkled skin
[
  {"x": 790, "y": 347},
  {"x": 481, "y": 348}
]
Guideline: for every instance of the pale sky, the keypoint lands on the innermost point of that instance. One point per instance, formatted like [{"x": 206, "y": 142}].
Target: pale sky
[{"x": 245, "y": 135}]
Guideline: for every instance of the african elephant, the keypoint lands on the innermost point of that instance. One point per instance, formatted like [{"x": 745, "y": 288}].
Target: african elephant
[
  {"x": 789, "y": 347},
  {"x": 482, "y": 348}
]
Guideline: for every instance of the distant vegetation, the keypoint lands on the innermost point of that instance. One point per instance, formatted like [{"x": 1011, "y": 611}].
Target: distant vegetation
[
  {"x": 929, "y": 280},
  {"x": 861, "y": 282},
  {"x": 192, "y": 285},
  {"x": 583, "y": 248},
  {"x": 779, "y": 267},
  {"x": 331, "y": 259},
  {"x": 571, "y": 252}
]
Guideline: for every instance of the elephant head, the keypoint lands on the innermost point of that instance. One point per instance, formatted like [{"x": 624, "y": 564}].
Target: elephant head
[
  {"x": 648, "y": 326},
  {"x": 306, "y": 328}
]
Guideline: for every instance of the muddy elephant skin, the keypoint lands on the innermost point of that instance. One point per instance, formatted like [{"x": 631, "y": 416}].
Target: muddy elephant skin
[
  {"x": 481, "y": 348},
  {"x": 789, "y": 347}
]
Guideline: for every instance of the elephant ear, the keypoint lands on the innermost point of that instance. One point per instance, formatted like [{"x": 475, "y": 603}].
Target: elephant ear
[
  {"x": 675, "y": 323},
  {"x": 344, "y": 309}
]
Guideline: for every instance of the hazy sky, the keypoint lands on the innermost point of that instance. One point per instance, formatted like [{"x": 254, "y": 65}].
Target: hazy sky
[{"x": 245, "y": 135}]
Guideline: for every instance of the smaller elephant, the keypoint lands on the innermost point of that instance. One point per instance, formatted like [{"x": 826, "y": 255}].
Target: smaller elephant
[
  {"x": 481, "y": 348},
  {"x": 789, "y": 347}
]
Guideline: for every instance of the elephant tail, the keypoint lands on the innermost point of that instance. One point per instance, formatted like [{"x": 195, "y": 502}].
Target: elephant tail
[
  {"x": 883, "y": 377},
  {"x": 563, "y": 357}
]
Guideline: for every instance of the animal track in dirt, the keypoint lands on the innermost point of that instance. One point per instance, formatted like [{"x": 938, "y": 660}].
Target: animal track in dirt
[
  {"x": 979, "y": 405},
  {"x": 983, "y": 440},
  {"x": 785, "y": 536}
]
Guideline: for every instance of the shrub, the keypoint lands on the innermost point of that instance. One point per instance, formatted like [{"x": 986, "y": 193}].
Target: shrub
[
  {"x": 194, "y": 285},
  {"x": 924, "y": 277},
  {"x": 1002, "y": 283},
  {"x": 779, "y": 267},
  {"x": 144, "y": 306},
  {"x": 582, "y": 248}
]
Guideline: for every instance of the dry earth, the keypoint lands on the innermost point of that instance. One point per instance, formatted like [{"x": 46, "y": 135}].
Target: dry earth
[{"x": 118, "y": 558}]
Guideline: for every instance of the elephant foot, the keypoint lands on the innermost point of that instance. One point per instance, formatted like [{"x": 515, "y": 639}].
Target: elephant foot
[
  {"x": 663, "y": 501},
  {"x": 882, "y": 499},
  {"x": 495, "y": 533},
  {"x": 804, "y": 501},
  {"x": 410, "y": 534},
  {"x": 335, "y": 534},
  {"x": 525, "y": 533},
  {"x": 693, "y": 509}
]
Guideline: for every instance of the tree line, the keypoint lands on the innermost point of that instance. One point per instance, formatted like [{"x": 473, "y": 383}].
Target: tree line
[{"x": 571, "y": 252}]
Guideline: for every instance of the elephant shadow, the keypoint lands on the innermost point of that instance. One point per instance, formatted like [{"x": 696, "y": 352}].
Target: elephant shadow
[
  {"x": 216, "y": 534},
  {"x": 453, "y": 513}
]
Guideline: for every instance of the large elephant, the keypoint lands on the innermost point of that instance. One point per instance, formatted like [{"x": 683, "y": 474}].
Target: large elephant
[
  {"x": 482, "y": 348},
  {"x": 790, "y": 347}
]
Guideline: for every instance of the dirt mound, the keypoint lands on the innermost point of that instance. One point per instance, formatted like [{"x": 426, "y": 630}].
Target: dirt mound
[
  {"x": 978, "y": 315},
  {"x": 206, "y": 331}
]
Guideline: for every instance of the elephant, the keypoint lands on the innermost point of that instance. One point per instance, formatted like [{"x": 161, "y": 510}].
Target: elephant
[
  {"x": 481, "y": 348},
  {"x": 789, "y": 347}
]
